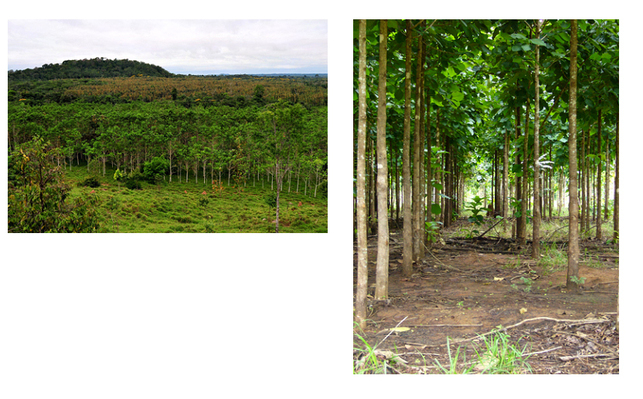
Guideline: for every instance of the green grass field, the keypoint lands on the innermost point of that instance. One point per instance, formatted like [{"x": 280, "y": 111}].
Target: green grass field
[{"x": 184, "y": 208}]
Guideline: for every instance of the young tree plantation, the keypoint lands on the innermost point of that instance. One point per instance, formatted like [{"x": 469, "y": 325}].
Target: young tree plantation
[
  {"x": 166, "y": 153},
  {"x": 486, "y": 173}
]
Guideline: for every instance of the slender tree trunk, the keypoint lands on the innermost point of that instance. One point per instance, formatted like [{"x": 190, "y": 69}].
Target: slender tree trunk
[
  {"x": 397, "y": 187},
  {"x": 439, "y": 174},
  {"x": 616, "y": 227},
  {"x": 599, "y": 186},
  {"x": 448, "y": 180},
  {"x": 583, "y": 199},
  {"x": 586, "y": 178},
  {"x": 551, "y": 186},
  {"x": 370, "y": 186},
  {"x": 607, "y": 180},
  {"x": 505, "y": 177},
  {"x": 362, "y": 250},
  {"x": 522, "y": 233},
  {"x": 278, "y": 178},
  {"x": 573, "y": 253},
  {"x": 381, "y": 287},
  {"x": 497, "y": 210},
  {"x": 407, "y": 251},
  {"x": 535, "y": 252},
  {"x": 429, "y": 174},
  {"x": 561, "y": 183},
  {"x": 519, "y": 194},
  {"x": 418, "y": 232}
]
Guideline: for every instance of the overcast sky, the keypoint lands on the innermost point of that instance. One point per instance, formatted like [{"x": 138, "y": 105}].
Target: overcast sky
[{"x": 180, "y": 46}]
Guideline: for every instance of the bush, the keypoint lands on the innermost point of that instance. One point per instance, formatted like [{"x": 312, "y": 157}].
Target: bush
[
  {"x": 271, "y": 199},
  {"x": 133, "y": 184},
  {"x": 155, "y": 170},
  {"x": 37, "y": 200},
  {"x": 90, "y": 182}
]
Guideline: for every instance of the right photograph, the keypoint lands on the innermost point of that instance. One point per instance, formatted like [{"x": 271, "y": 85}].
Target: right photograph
[{"x": 486, "y": 196}]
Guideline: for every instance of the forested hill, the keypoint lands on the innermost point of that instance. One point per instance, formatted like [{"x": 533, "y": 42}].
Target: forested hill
[{"x": 93, "y": 68}]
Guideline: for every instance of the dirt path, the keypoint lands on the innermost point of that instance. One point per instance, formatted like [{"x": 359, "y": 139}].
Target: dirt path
[{"x": 468, "y": 287}]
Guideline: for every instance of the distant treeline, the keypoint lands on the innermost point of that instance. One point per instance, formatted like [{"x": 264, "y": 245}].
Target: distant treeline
[
  {"x": 93, "y": 68},
  {"x": 95, "y": 83}
]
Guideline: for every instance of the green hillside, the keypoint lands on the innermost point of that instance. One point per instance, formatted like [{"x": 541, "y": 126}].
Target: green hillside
[{"x": 92, "y": 68}]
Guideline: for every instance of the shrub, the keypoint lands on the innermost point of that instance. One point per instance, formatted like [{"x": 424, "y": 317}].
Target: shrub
[
  {"x": 133, "y": 184},
  {"x": 271, "y": 199},
  {"x": 90, "y": 182},
  {"x": 37, "y": 200},
  {"x": 155, "y": 170},
  {"x": 203, "y": 201}
]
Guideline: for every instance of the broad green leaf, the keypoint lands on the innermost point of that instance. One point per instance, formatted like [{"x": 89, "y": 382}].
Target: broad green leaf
[
  {"x": 436, "y": 102},
  {"x": 449, "y": 72},
  {"x": 436, "y": 209},
  {"x": 538, "y": 42},
  {"x": 457, "y": 96}
]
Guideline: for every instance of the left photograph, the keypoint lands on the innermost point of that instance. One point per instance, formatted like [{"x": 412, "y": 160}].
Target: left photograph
[{"x": 167, "y": 126}]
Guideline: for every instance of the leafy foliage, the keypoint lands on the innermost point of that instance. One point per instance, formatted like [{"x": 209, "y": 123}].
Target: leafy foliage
[
  {"x": 155, "y": 169},
  {"x": 92, "y": 68},
  {"x": 38, "y": 195}
]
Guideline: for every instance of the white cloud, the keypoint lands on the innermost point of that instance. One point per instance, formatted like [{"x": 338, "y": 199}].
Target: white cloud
[{"x": 180, "y": 46}]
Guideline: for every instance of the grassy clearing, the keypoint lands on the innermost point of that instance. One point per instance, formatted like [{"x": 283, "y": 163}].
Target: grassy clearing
[{"x": 198, "y": 208}]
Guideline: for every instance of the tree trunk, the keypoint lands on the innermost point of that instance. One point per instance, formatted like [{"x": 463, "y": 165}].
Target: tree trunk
[
  {"x": 407, "y": 256},
  {"x": 583, "y": 199},
  {"x": 573, "y": 252},
  {"x": 397, "y": 188},
  {"x": 505, "y": 178},
  {"x": 607, "y": 179},
  {"x": 522, "y": 233},
  {"x": 497, "y": 210},
  {"x": 418, "y": 141},
  {"x": 585, "y": 177},
  {"x": 599, "y": 187},
  {"x": 448, "y": 180},
  {"x": 561, "y": 183},
  {"x": 616, "y": 227},
  {"x": 381, "y": 287},
  {"x": 535, "y": 252},
  {"x": 278, "y": 178},
  {"x": 519, "y": 195},
  {"x": 362, "y": 250},
  {"x": 429, "y": 177}
]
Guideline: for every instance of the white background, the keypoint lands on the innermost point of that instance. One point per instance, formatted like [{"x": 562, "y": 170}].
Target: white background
[{"x": 249, "y": 315}]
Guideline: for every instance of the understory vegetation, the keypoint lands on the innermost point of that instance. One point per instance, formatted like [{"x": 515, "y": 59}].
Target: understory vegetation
[{"x": 197, "y": 207}]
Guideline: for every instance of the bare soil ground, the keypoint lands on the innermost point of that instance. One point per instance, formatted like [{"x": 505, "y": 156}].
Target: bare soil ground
[{"x": 465, "y": 288}]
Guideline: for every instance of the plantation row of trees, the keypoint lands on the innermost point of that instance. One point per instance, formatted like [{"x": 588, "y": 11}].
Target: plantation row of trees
[
  {"x": 208, "y": 145},
  {"x": 443, "y": 108}
]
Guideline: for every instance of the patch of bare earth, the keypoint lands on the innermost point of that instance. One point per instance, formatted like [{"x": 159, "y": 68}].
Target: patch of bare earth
[{"x": 466, "y": 288}]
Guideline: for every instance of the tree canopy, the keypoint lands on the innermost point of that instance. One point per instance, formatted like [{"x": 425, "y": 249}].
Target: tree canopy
[{"x": 481, "y": 109}]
